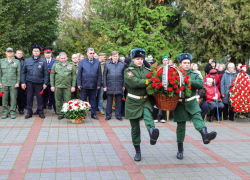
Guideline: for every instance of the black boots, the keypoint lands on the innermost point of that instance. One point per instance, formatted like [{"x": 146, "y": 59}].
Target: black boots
[
  {"x": 211, "y": 115},
  {"x": 180, "y": 151},
  {"x": 138, "y": 153},
  {"x": 207, "y": 137},
  {"x": 154, "y": 134}
]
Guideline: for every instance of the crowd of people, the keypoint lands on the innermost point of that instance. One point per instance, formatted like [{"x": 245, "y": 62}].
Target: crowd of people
[{"x": 96, "y": 78}]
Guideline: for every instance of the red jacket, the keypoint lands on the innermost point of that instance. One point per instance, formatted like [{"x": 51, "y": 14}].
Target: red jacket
[
  {"x": 210, "y": 90},
  {"x": 217, "y": 80}
]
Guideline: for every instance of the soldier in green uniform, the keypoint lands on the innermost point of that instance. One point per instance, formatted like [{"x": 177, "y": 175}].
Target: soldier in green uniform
[
  {"x": 77, "y": 93},
  {"x": 138, "y": 103},
  {"x": 188, "y": 107},
  {"x": 63, "y": 81},
  {"x": 10, "y": 69}
]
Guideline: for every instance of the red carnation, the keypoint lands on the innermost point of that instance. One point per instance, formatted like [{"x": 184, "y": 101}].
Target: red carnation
[
  {"x": 170, "y": 89},
  {"x": 172, "y": 82},
  {"x": 153, "y": 84},
  {"x": 148, "y": 75},
  {"x": 175, "y": 86},
  {"x": 187, "y": 77},
  {"x": 171, "y": 70},
  {"x": 158, "y": 74},
  {"x": 86, "y": 104},
  {"x": 49, "y": 71},
  {"x": 173, "y": 79},
  {"x": 177, "y": 91},
  {"x": 13, "y": 63},
  {"x": 157, "y": 80},
  {"x": 76, "y": 104},
  {"x": 161, "y": 84},
  {"x": 152, "y": 79},
  {"x": 240, "y": 110},
  {"x": 1, "y": 94},
  {"x": 189, "y": 87},
  {"x": 70, "y": 107},
  {"x": 41, "y": 92},
  {"x": 245, "y": 111},
  {"x": 70, "y": 102},
  {"x": 158, "y": 86},
  {"x": 181, "y": 88},
  {"x": 235, "y": 109},
  {"x": 123, "y": 99}
]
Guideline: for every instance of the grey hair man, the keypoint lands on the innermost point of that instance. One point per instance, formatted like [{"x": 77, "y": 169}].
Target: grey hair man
[{"x": 89, "y": 79}]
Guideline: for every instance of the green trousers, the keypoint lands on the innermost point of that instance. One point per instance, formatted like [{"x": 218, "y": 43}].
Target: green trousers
[
  {"x": 13, "y": 96},
  {"x": 181, "y": 126},
  {"x": 135, "y": 126},
  {"x": 61, "y": 94}
]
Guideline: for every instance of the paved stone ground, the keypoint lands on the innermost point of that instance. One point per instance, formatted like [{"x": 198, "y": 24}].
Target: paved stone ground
[{"x": 52, "y": 149}]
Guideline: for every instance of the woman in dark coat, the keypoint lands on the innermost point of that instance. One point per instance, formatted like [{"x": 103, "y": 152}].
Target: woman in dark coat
[{"x": 113, "y": 84}]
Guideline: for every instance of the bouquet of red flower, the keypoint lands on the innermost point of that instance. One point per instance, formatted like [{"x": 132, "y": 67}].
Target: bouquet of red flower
[
  {"x": 166, "y": 91},
  {"x": 240, "y": 93},
  {"x": 173, "y": 87}
]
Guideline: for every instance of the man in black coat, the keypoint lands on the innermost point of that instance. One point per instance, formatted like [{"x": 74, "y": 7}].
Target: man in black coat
[
  {"x": 21, "y": 96},
  {"x": 89, "y": 79},
  {"x": 113, "y": 84},
  {"x": 35, "y": 77}
]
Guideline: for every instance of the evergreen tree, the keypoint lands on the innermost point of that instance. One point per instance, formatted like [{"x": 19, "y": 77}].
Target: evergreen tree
[
  {"x": 129, "y": 24},
  {"x": 27, "y": 22},
  {"x": 215, "y": 29}
]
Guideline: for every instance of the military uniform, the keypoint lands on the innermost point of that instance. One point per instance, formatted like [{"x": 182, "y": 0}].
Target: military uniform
[
  {"x": 188, "y": 108},
  {"x": 62, "y": 77},
  {"x": 48, "y": 96},
  {"x": 138, "y": 103},
  {"x": 9, "y": 76},
  {"x": 34, "y": 74},
  {"x": 77, "y": 93}
]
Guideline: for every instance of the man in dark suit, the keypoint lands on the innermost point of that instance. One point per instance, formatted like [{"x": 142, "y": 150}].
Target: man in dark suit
[
  {"x": 89, "y": 79},
  {"x": 48, "y": 97}
]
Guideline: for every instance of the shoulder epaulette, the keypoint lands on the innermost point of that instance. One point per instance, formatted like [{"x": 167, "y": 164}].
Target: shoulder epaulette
[
  {"x": 147, "y": 68},
  {"x": 131, "y": 68}
]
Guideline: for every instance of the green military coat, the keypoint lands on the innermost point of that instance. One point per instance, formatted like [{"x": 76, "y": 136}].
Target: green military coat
[
  {"x": 135, "y": 82},
  {"x": 183, "y": 109},
  {"x": 63, "y": 76},
  {"x": 10, "y": 72}
]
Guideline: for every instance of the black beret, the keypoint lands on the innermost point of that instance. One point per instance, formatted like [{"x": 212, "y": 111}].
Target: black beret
[
  {"x": 36, "y": 46},
  {"x": 183, "y": 56},
  {"x": 138, "y": 52}
]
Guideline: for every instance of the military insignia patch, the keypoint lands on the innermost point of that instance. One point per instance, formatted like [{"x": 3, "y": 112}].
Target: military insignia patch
[
  {"x": 69, "y": 67},
  {"x": 130, "y": 74},
  {"x": 39, "y": 66}
]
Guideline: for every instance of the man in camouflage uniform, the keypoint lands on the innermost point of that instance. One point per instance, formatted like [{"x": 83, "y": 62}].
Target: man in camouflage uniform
[
  {"x": 138, "y": 103},
  {"x": 188, "y": 107},
  {"x": 63, "y": 81},
  {"x": 10, "y": 69}
]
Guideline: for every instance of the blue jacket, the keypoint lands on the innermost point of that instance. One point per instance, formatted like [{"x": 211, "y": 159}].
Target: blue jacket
[
  {"x": 89, "y": 75},
  {"x": 35, "y": 71},
  {"x": 225, "y": 85},
  {"x": 50, "y": 65}
]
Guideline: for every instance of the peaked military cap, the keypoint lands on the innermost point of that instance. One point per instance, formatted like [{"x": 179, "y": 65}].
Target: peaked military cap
[
  {"x": 47, "y": 49},
  {"x": 36, "y": 46},
  {"x": 183, "y": 56},
  {"x": 138, "y": 52}
]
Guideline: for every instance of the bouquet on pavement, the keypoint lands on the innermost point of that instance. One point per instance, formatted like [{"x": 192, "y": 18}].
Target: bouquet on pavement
[{"x": 76, "y": 110}]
